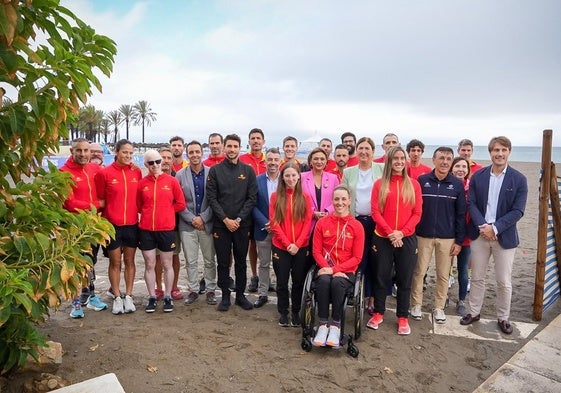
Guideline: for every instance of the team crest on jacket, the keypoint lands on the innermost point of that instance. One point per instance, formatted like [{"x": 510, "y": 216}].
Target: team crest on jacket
[
  {"x": 114, "y": 181},
  {"x": 146, "y": 188},
  {"x": 166, "y": 188},
  {"x": 173, "y": 246},
  {"x": 276, "y": 256},
  {"x": 242, "y": 176},
  {"x": 427, "y": 185},
  {"x": 327, "y": 232}
]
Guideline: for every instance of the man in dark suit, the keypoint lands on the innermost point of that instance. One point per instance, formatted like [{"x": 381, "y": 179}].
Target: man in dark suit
[
  {"x": 496, "y": 201},
  {"x": 266, "y": 185}
]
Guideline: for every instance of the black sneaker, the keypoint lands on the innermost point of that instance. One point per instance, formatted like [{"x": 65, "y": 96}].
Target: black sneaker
[
  {"x": 253, "y": 284},
  {"x": 224, "y": 304},
  {"x": 202, "y": 286},
  {"x": 283, "y": 320},
  {"x": 151, "y": 306},
  {"x": 295, "y": 320},
  {"x": 168, "y": 304},
  {"x": 243, "y": 302}
]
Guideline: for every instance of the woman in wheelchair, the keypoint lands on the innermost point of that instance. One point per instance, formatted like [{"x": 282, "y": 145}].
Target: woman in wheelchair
[{"x": 337, "y": 249}]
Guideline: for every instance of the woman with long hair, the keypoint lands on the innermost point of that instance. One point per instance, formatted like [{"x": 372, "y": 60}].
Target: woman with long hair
[
  {"x": 338, "y": 245},
  {"x": 290, "y": 213},
  {"x": 396, "y": 209}
]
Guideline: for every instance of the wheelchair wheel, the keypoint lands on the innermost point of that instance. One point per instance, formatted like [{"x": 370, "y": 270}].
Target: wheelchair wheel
[
  {"x": 358, "y": 306},
  {"x": 306, "y": 344},
  {"x": 352, "y": 350},
  {"x": 308, "y": 307}
]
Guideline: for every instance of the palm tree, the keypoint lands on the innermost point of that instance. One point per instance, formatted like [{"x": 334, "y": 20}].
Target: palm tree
[
  {"x": 104, "y": 128},
  {"x": 143, "y": 115},
  {"x": 115, "y": 119},
  {"x": 127, "y": 112},
  {"x": 90, "y": 117}
]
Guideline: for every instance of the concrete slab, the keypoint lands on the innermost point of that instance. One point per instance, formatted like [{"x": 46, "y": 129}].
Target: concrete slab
[
  {"x": 511, "y": 378},
  {"x": 539, "y": 358},
  {"x": 107, "y": 383},
  {"x": 484, "y": 329}
]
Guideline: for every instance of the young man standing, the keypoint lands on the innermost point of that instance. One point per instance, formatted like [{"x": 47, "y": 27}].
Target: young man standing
[
  {"x": 496, "y": 201},
  {"x": 290, "y": 147},
  {"x": 232, "y": 191},
  {"x": 390, "y": 140},
  {"x": 256, "y": 159},
  {"x": 415, "y": 149},
  {"x": 327, "y": 146}
]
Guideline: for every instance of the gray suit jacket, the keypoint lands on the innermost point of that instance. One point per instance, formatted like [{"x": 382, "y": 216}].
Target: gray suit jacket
[{"x": 185, "y": 179}]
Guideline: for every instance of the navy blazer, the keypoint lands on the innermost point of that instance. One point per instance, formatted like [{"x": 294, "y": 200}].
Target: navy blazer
[
  {"x": 260, "y": 212},
  {"x": 510, "y": 207}
]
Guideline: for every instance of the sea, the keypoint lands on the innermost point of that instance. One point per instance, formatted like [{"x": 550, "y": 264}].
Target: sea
[{"x": 480, "y": 153}]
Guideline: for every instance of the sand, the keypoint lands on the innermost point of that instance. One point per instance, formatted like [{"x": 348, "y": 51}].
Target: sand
[{"x": 198, "y": 349}]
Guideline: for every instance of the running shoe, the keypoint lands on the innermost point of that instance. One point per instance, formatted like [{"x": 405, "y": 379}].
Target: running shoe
[
  {"x": 334, "y": 337},
  {"x": 451, "y": 281},
  {"x": 403, "y": 327},
  {"x": 118, "y": 306},
  {"x": 168, "y": 304},
  {"x": 151, "y": 306},
  {"x": 191, "y": 298},
  {"x": 77, "y": 311},
  {"x": 176, "y": 294},
  {"x": 202, "y": 286},
  {"x": 439, "y": 315},
  {"x": 416, "y": 312},
  {"x": 253, "y": 284},
  {"x": 110, "y": 293},
  {"x": 375, "y": 321},
  {"x": 295, "y": 321},
  {"x": 461, "y": 308},
  {"x": 321, "y": 336},
  {"x": 283, "y": 320},
  {"x": 84, "y": 297},
  {"x": 95, "y": 303},
  {"x": 129, "y": 304}
]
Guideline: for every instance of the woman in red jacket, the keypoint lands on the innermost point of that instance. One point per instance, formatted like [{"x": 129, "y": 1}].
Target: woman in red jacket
[
  {"x": 337, "y": 249},
  {"x": 290, "y": 213},
  {"x": 159, "y": 197},
  {"x": 396, "y": 210}
]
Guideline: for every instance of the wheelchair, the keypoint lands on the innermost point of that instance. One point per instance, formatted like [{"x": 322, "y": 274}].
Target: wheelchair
[{"x": 353, "y": 299}]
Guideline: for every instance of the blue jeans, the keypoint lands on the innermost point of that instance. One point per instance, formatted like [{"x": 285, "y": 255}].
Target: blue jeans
[{"x": 463, "y": 277}]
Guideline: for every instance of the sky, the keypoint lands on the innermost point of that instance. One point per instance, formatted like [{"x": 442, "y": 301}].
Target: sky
[{"x": 436, "y": 70}]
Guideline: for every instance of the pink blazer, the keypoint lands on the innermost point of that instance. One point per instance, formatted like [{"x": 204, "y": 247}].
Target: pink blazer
[{"x": 328, "y": 183}]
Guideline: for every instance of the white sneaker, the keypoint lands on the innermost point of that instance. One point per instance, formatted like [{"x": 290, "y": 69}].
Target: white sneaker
[
  {"x": 416, "y": 312},
  {"x": 321, "y": 336},
  {"x": 129, "y": 304},
  {"x": 334, "y": 338},
  {"x": 451, "y": 281},
  {"x": 439, "y": 316},
  {"x": 118, "y": 307}
]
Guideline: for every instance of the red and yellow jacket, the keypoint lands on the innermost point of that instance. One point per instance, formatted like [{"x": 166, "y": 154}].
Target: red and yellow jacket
[
  {"x": 396, "y": 215},
  {"x": 83, "y": 195},
  {"x": 289, "y": 232},
  {"x": 158, "y": 199},
  {"x": 117, "y": 185},
  {"x": 213, "y": 160},
  {"x": 341, "y": 240},
  {"x": 256, "y": 162}
]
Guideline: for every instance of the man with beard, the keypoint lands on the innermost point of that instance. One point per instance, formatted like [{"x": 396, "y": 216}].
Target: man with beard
[
  {"x": 216, "y": 145},
  {"x": 349, "y": 140},
  {"x": 96, "y": 152},
  {"x": 177, "y": 146},
  {"x": 232, "y": 190},
  {"x": 341, "y": 160}
]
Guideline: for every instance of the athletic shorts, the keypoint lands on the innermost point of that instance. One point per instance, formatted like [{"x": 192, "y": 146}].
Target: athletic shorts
[
  {"x": 162, "y": 240},
  {"x": 125, "y": 235},
  {"x": 177, "y": 249}
]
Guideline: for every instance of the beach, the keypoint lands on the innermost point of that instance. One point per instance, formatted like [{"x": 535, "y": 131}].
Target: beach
[{"x": 198, "y": 349}]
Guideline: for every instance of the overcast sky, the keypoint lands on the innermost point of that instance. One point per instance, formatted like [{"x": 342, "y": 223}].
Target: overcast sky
[{"x": 438, "y": 71}]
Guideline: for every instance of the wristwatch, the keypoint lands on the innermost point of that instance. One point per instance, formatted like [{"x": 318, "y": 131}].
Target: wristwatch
[{"x": 239, "y": 220}]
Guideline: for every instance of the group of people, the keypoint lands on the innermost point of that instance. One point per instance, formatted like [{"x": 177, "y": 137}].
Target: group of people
[{"x": 383, "y": 216}]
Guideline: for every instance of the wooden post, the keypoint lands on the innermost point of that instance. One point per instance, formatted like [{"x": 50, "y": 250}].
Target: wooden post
[
  {"x": 542, "y": 224},
  {"x": 556, "y": 215}
]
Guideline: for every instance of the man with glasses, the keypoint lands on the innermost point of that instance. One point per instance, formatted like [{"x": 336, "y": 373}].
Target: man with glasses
[{"x": 349, "y": 140}]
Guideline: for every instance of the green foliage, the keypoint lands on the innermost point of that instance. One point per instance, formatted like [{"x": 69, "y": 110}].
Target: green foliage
[{"x": 42, "y": 245}]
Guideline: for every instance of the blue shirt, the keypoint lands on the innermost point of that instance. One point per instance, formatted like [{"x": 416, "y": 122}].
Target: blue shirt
[{"x": 199, "y": 184}]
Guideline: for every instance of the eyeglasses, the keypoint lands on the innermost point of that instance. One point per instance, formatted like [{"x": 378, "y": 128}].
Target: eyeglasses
[
  {"x": 155, "y": 162},
  {"x": 96, "y": 151}
]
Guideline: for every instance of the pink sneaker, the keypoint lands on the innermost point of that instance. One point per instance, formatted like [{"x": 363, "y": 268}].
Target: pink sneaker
[
  {"x": 403, "y": 326},
  {"x": 159, "y": 294},
  {"x": 376, "y": 320},
  {"x": 176, "y": 294}
]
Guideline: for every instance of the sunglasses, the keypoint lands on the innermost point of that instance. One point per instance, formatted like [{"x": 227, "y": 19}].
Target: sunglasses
[{"x": 154, "y": 162}]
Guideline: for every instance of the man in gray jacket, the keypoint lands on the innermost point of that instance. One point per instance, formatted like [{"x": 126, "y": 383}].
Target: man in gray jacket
[{"x": 195, "y": 224}]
